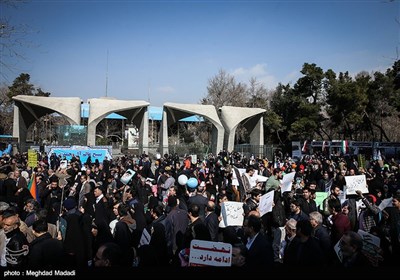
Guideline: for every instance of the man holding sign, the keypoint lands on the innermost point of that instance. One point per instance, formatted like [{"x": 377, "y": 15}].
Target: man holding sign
[{"x": 273, "y": 181}]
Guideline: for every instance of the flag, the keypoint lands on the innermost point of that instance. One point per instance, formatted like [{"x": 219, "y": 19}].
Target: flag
[
  {"x": 33, "y": 188},
  {"x": 379, "y": 156},
  {"x": 304, "y": 149},
  {"x": 345, "y": 146}
]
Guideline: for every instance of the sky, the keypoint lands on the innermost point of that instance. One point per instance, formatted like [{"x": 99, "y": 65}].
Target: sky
[{"x": 167, "y": 51}]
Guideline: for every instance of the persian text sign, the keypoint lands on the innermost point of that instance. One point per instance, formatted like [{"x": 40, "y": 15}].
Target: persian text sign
[
  {"x": 32, "y": 158},
  {"x": 354, "y": 183},
  {"x": 207, "y": 253},
  {"x": 232, "y": 213}
]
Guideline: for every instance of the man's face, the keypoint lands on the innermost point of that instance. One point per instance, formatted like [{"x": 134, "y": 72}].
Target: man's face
[
  {"x": 306, "y": 194},
  {"x": 345, "y": 210},
  {"x": 10, "y": 223},
  {"x": 371, "y": 171},
  {"x": 115, "y": 209},
  {"x": 246, "y": 229},
  {"x": 237, "y": 258},
  {"x": 336, "y": 192},
  {"x": 293, "y": 208},
  {"x": 313, "y": 222},
  {"x": 289, "y": 231},
  {"x": 172, "y": 191},
  {"x": 29, "y": 207},
  {"x": 97, "y": 192}
]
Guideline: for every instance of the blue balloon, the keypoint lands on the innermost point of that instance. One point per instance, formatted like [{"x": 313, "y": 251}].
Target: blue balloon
[{"x": 192, "y": 183}]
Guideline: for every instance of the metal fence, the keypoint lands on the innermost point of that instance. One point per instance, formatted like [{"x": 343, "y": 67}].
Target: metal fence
[
  {"x": 181, "y": 149},
  {"x": 256, "y": 150},
  {"x": 201, "y": 150}
]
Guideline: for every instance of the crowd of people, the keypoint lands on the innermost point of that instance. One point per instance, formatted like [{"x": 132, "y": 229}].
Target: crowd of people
[{"x": 144, "y": 212}]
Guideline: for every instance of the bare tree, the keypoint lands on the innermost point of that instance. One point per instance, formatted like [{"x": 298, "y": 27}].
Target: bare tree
[
  {"x": 257, "y": 94},
  {"x": 13, "y": 38},
  {"x": 6, "y": 111},
  {"x": 224, "y": 90}
]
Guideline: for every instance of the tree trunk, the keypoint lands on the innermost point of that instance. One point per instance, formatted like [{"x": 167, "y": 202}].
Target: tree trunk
[
  {"x": 383, "y": 133},
  {"x": 326, "y": 133}
]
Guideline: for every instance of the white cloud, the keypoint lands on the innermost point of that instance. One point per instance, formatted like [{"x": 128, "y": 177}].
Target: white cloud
[
  {"x": 239, "y": 72},
  {"x": 257, "y": 71},
  {"x": 165, "y": 89}
]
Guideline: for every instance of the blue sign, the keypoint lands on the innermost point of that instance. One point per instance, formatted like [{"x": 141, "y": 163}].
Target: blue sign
[{"x": 99, "y": 154}]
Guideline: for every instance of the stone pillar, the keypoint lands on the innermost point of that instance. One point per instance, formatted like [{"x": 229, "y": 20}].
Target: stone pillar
[
  {"x": 257, "y": 135},
  {"x": 144, "y": 133},
  {"x": 164, "y": 134},
  {"x": 91, "y": 133},
  {"x": 19, "y": 130}
]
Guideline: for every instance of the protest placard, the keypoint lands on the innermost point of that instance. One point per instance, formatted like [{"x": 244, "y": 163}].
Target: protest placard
[
  {"x": 354, "y": 183},
  {"x": 32, "y": 158},
  {"x": 266, "y": 202},
  {"x": 232, "y": 213},
  {"x": 286, "y": 182},
  {"x": 319, "y": 197},
  {"x": 260, "y": 178},
  {"x": 208, "y": 253},
  {"x": 386, "y": 203}
]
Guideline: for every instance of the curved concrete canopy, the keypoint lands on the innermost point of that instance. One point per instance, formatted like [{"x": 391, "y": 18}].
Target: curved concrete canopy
[
  {"x": 28, "y": 109},
  {"x": 39, "y": 106},
  {"x": 250, "y": 117},
  {"x": 134, "y": 111},
  {"x": 173, "y": 112},
  {"x": 179, "y": 111}
]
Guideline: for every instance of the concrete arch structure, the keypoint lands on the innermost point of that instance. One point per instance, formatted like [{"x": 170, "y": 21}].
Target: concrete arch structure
[
  {"x": 252, "y": 119},
  {"x": 173, "y": 112},
  {"x": 134, "y": 111},
  {"x": 28, "y": 109}
]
